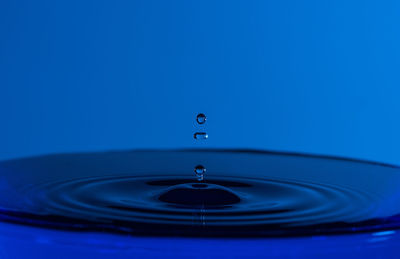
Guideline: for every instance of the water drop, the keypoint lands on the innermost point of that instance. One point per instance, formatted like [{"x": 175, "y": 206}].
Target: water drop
[
  {"x": 201, "y": 118},
  {"x": 199, "y": 171},
  {"x": 200, "y": 135}
]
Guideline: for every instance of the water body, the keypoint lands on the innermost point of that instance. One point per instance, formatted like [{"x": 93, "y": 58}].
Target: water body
[{"x": 246, "y": 193}]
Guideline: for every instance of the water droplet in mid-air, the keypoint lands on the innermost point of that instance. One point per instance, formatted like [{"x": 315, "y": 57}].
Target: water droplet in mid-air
[
  {"x": 200, "y": 135},
  {"x": 199, "y": 171},
  {"x": 201, "y": 118}
]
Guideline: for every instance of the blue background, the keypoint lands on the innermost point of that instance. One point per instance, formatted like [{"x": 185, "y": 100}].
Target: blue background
[{"x": 312, "y": 76}]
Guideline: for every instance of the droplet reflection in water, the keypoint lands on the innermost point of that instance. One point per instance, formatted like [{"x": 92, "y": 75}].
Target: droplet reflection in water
[{"x": 250, "y": 193}]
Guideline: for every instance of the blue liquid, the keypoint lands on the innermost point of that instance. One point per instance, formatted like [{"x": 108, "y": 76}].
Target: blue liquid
[
  {"x": 28, "y": 242},
  {"x": 246, "y": 193}
]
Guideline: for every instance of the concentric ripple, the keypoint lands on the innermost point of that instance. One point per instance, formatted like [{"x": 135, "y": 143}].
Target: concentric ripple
[{"x": 154, "y": 192}]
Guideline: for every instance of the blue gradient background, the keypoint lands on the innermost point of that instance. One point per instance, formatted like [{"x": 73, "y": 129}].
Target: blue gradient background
[{"x": 311, "y": 76}]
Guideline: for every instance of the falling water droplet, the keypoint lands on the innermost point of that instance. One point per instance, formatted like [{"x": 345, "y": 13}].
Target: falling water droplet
[
  {"x": 201, "y": 118},
  {"x": 200, "y": 135},
  {"x": 199, "y": 171}
]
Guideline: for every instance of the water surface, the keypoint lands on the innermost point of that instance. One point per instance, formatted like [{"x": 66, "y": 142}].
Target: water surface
[{"x": 245, "y": 193}]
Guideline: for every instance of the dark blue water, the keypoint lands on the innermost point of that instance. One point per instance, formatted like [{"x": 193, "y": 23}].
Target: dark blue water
[{"x": 244, "y": 193}]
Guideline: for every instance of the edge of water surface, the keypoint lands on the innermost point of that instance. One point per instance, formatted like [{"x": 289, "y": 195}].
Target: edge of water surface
[{"x": 218, "y": 150}]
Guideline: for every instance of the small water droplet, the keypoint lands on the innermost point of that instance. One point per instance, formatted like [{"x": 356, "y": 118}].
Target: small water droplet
[
  {"x": 200, "y": 171},
  {"x": 200, "y": 135},
  {"x": 201, "y": 118}
]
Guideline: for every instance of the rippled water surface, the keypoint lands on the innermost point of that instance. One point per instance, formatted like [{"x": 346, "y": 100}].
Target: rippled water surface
[{"x": 245, "y": 193}]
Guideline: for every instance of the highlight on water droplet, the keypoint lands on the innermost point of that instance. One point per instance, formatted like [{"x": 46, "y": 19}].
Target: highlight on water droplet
[
  {"x": 200, "y": 135},
  {"x": 201, "y": 118},
  {"x": 200, "y": 171}
]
